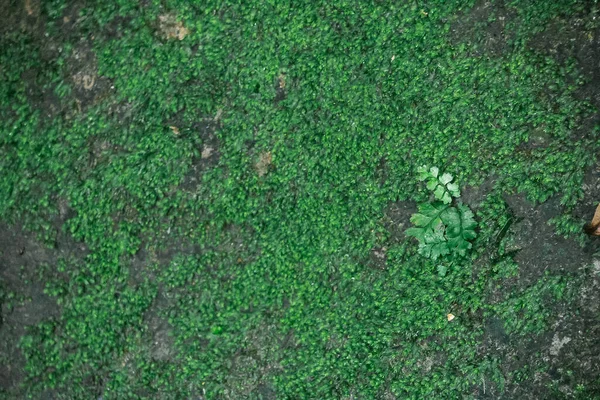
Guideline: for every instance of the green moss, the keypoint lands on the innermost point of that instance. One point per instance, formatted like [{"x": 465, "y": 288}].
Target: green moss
[{"x": 341, "y": 102}]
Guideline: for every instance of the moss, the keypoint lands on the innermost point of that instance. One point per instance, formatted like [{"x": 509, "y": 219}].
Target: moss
[{"x": 289, "y": 202}]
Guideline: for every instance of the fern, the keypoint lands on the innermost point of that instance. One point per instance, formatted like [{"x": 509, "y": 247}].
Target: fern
[{"x": 441, "y": 228}]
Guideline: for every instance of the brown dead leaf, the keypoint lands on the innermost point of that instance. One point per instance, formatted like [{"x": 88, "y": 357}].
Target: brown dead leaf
[
  {"x": 450, "y": 317},
  {"x": 596, "y": 219},
  {"x": 171, "y": 28},
  {"x": 174, "y": 129},
  {"x": 263, "y": 163},
  {"x": 593, "y": 228}
]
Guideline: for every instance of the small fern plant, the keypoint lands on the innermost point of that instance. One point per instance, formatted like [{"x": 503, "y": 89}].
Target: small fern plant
[{"x": 443, "y": 227}]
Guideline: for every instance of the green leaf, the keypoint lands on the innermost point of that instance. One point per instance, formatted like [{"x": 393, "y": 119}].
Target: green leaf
[
  {"x": 436, "y": 250},
  {"x": 434, "y": 171},
  {"x": 428, "y": 215},
  {"x": 446, "y": 199},
  {"x": 439, "y": 192},
  {"x": 435, "y": 235},
  {"x": 442, "y": 229},
  {"x": 418, "y": 233},
  {"x": 423, "y": 172},
  {"x": 441, "y": 269},
  {"x": 446, "y": 178},
  {"x": 432, "y": 185},
  {"x": 429, "y": 230},
  {"x": 460, "y": 229},
  {"x": 421, "y": 220},
  {"x": 467, "y": 217},
  {"x": 451, "y": 217},
  {"x": 453, "y": 189},
  {"x": 460, "y": 247}
]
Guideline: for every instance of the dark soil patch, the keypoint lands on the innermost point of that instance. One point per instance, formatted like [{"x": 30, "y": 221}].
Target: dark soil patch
[
  {"x": 558, "y": 360},
  {"x": 280, "y": 89},
  {"x": 575, "y": 37},
  {"x": 483, "y": 29},
  {"x": 473, "y": 196},
  {"x": 253, "y": 364},
  {"x": 40, "y": 97},
  {"x": 23, "y": 15},
  {"x": 25, "y": 266},
  {"x": 161, "y": 341},
  {"x": 382, "y": 171},
  {"x": 563, "y": 356},
  {"x": 208, "y": 152},
  {"x": 538, "y": 248},
  {"x": 378, "y": 258},
  {"x": 88, "y": 87},
  {"x": 397, "y": 219}
]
